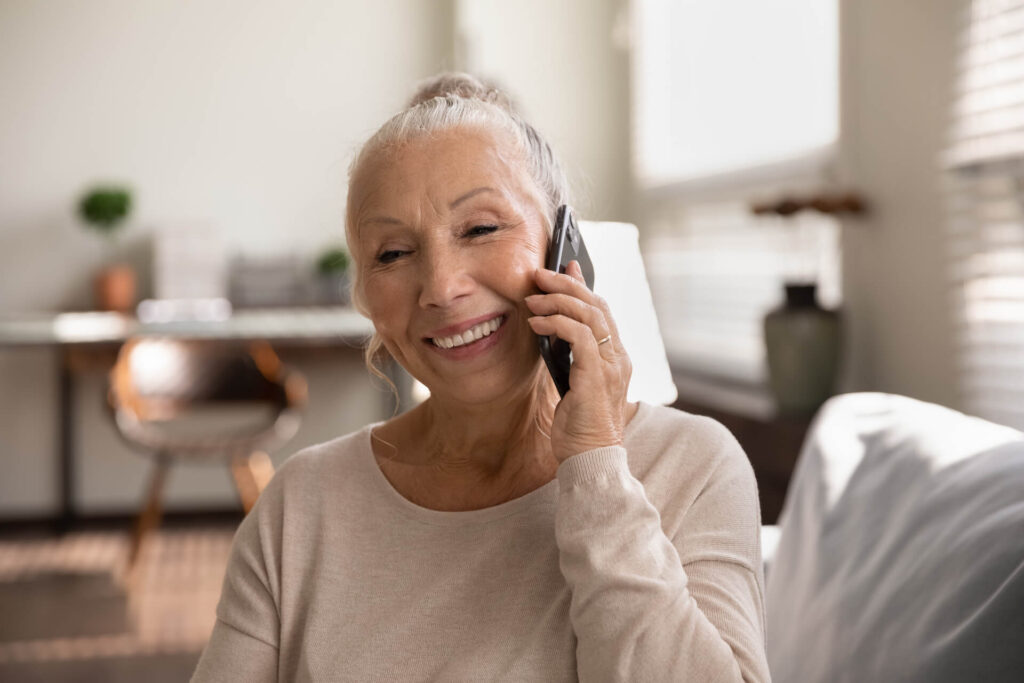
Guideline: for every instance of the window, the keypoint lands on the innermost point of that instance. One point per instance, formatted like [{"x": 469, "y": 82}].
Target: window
[
  {"x": 727, "y": 110},
  {"x": 716, "y": 93},
  {"x": 985, "y": 190}
]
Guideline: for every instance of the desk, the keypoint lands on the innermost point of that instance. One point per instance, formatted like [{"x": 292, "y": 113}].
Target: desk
[{"x": 71, "y": 333}]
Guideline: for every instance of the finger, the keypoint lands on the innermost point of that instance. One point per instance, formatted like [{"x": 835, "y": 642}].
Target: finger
[
  {"x": 549, "y": 304},
  {"x": 609, "y": 321},
  {"x": 576, "y": 271},
  {"x": 550, "y": 281},
  {"x": 585, "y": 352}
]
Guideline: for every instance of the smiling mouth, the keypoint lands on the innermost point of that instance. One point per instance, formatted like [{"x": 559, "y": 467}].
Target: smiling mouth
[{"x": 475, "y": 333}]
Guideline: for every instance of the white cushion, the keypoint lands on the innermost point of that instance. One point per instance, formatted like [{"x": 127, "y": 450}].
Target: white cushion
[{"x": 901, "y": 555}]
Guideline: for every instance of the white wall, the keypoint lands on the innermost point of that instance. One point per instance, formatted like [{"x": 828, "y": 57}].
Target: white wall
[
  {"x": 897, "y": 70},
  {"x": 242, "y": 114}
]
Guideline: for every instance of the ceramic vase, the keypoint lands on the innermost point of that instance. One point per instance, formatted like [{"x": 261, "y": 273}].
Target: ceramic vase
[{"x": 802, "y": 341}]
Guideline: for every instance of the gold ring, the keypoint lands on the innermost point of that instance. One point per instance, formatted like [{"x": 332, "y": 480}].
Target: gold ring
[{"x": 602, "y": 341}]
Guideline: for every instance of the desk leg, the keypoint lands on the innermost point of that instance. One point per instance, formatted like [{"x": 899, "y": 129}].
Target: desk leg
[{"x": 66, "y": 467}]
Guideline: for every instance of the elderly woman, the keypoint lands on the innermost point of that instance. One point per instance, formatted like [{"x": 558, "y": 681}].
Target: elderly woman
[{"x": 493, "y": 532}]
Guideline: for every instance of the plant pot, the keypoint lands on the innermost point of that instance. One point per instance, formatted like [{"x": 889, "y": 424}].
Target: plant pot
[
  {"x": 115, "y": 289},
  {"x": 802, "y": 341}
]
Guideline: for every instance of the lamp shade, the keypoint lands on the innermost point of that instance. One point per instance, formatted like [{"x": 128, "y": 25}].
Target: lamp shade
[{"x": 621, "y": 280}]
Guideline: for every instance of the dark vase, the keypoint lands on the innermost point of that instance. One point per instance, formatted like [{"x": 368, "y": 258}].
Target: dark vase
[{"x": 802, "y": 340}]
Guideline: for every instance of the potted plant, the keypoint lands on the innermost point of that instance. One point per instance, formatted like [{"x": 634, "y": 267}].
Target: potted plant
[
  {"x": 104, "y": 210},
  {"x": 332, "y": 274}
]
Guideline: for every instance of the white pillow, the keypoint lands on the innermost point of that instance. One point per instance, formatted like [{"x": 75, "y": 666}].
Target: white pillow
[{"x": 901, "y": 555}]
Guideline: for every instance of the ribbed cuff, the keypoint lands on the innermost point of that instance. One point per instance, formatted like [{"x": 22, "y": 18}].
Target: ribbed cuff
[{"x": 592, "y": 464}]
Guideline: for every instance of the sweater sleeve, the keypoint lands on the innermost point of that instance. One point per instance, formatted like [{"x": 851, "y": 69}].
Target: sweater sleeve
[
  {"x": 639, "y": 611},
  {"x": 244, "y": 642}
]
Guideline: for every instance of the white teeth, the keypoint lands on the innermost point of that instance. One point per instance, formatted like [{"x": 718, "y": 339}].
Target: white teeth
[{"x": 472, "y": 334}]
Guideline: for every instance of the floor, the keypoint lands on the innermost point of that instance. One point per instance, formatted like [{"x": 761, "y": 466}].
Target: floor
[{"x": 69, "y": 612}]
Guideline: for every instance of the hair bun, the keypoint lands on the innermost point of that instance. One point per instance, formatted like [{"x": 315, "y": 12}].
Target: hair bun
[{"x": 456, "y": 84}]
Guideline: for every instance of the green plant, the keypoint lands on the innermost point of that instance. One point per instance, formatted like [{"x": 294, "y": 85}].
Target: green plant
[
  {"x": 104, "y": 208},
  {"x": 332, "y": 261}
]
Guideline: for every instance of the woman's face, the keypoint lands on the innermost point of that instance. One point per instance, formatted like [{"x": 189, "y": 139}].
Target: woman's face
[{"x": 449, "y": 230}]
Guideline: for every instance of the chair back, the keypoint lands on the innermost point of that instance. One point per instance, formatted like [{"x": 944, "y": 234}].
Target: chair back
[
  {"x": 160, "y": 379},
  {"x": 155, "y": 378}
]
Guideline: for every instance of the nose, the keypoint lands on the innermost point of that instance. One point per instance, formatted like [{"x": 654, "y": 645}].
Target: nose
[{"x": 445, "y": 278}]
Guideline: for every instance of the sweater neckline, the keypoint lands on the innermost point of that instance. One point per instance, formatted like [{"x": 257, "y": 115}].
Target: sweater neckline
[{"x": 544, "y": 494}]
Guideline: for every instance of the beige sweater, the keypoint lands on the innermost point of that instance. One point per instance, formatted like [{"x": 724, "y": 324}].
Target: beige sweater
[{"x": 639, "y": 563}]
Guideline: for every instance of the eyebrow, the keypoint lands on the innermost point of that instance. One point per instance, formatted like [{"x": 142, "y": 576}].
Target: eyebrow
[
  {"x": 388, "y": 220},
  {"x": 469, "y": 195}
]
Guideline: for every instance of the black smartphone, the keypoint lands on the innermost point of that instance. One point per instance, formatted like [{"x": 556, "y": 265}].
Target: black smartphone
[{"x": 566, "y": 245}]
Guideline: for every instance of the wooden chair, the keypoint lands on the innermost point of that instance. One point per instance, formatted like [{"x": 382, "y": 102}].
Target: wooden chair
[{"x": 165, "y": 393}]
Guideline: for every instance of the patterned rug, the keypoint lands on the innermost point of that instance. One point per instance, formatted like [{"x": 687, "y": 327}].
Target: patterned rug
[{"x": 68, "y": 599}]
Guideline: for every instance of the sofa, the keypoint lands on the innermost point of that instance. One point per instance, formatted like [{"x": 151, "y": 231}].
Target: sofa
[{"x": 899, "y": 553}]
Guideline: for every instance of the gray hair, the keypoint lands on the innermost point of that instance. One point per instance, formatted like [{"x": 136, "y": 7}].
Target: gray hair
[{"x": 443, "y": 103}]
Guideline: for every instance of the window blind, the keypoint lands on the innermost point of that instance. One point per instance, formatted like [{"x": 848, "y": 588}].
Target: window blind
[
  {"x": 988, "y": 112},
  {"x": 985, "y": 195}
]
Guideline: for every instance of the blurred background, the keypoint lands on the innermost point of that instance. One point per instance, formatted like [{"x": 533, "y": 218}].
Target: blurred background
[{"x": 859, "y": 152}]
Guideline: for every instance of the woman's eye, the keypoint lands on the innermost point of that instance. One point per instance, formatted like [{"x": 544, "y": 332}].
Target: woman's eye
[
  {"x": 389, "y": 256},
  {"x": 478, "y": 230}
]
